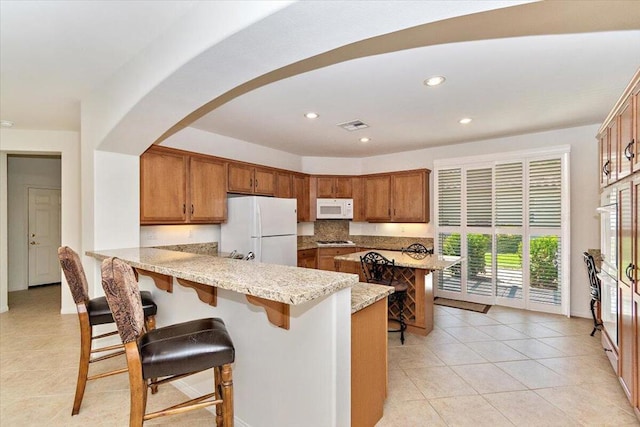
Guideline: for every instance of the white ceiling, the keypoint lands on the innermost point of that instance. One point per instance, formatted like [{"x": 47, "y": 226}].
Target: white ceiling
[{"x": 508, "y": 86}]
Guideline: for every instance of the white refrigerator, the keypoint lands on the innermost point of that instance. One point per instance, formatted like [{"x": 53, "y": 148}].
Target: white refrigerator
[{"x": 266, "y": 226}]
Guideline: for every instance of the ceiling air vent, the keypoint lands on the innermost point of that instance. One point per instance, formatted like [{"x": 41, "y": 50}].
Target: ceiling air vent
[{"x": 353, "y": 125}]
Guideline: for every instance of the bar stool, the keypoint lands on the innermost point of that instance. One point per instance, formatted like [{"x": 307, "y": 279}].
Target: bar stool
[
  {"x": 595, "y": 286},
  {"x": 92, "y": 312},
  {"x": 380, "y": 270},
  {"x": 168, "y": 353}
]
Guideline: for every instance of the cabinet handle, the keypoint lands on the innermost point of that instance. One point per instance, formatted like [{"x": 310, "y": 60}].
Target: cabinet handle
[
  {"x": 628, "y": 271},
  {"x": 192, "y": 209},
  {"x": 605, "y": 168},
  {"x": 184, "y": 208},
  {"x": 627, "y": 151},
  {"x": 256, "y": 183}
]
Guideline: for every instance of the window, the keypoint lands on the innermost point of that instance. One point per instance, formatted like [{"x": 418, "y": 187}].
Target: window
[{"x": 505, "y": 217}]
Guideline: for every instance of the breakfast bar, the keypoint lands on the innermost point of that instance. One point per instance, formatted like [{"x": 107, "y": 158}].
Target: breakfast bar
[{"x": 289, "y": 372}]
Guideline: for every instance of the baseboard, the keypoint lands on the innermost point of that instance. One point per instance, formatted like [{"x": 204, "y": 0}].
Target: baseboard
[
  {"x": 193, "y": 393},
  {"x": 4, "y": 308}
]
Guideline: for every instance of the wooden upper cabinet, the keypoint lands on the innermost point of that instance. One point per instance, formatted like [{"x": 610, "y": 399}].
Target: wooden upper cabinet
[
  {"x": 358, "y": 199},
  {"x": 283, "y": 185},
  {"x": 301, "y": 191},
  {"x": 377, "y": 198},
  {"x": 626, "y": 140},
  {"x": 636, "y": 135},
  {"x": 264, "y": 181},
  {"x": 208, "y": 184},
  {"x": 397, "y": 196},
  {"x": 248, "y": 179},
  {"x": 334, "y": 187},
  {"x": 163, "y": 186},
  {"x": 410, "y": 196},
  {"x": 177, "y": 188}
]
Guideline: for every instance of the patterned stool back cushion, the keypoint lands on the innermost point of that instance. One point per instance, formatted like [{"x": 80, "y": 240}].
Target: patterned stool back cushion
[
  {"x": 74, "y": 273},
  {"x": 123, "y": 295}
]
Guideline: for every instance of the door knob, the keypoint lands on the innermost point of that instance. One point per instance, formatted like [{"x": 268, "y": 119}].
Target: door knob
[{"x": 32, "y": 243}]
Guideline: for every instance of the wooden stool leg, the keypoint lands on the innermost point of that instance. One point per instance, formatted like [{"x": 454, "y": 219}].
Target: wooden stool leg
[
  {"x": 150, "y": 325},
  {"x": 85, "y": 355},
  {"x": 217, "y": 387},
  {"x": 227, "y": 395},
  {"x": 137, "y": 386}
]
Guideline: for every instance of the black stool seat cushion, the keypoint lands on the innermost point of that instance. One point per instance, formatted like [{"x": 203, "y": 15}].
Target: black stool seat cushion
[
  {"x": 100, "y": 313},
  {"x": 185, "y": 347}
]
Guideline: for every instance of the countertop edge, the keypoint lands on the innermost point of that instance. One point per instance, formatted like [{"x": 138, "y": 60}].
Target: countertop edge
[
  {"x": 365, "y": 294},
  {"x": 292, "y": 298}
]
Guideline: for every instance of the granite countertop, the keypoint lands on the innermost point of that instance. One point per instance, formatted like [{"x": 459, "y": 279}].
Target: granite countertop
[
  {"x": 290, "y": 285},
  {"x": 369, "y": 242},
  {"x": 364, "y": 294},
  {"x": 429, "y": 262}
]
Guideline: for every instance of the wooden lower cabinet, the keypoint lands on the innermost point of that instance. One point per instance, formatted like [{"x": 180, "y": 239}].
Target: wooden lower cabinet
[
  {"x": 326, "y": 255},
  {"x": 368, "y": 364},
  {"x": 307, "y": 258}
]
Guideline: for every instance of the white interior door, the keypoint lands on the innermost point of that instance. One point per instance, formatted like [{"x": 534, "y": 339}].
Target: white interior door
[{"x": 44, "y": 236}]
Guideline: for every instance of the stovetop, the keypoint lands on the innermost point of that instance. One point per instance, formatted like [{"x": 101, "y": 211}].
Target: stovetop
[{"x": 335, "y": 243}]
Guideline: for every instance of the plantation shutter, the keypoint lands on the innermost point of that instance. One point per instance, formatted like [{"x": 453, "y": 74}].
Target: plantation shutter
[
  {"x": 479, "y": 197},
  {"x": 545, "y": 185},
  {"x": 449, "y": 197},
  {"x": 509, "y": 201}
]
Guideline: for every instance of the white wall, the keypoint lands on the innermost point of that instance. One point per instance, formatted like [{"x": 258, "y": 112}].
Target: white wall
[
  {"x": 22, "y": 173},
  {"x": 67, "y": 145}
]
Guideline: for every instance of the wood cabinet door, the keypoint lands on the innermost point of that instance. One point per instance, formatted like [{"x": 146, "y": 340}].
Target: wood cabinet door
[
  {"x": 342, "y": 186},
  {"x": 626, "y": 157},
  {"x": 264, "y": 182},
  {"x": 358, "y": 199},
  {"x": 603, "y": 163},
  {"x": 283, "y": 185},
  {"x": 301, "y": 193},
  {"x": 326, "y": 256},
  {"x": 636, "y": 132},
  {"x": 163, "y": 187},
  {"x": 614, "y": 150},
  {"x": 325, "y": 187},
  {"x": 208, "y": 185},
  {"x": 307, "y": 258},
  {"x": 625, "y": 234},
  {"x": 636, "y": 241},
  {"x": 377, "y": 198},
  {"x": 410, "y": 197},
  {"x": 626, "y": 339},
  {"x": 240, "y": 178}
]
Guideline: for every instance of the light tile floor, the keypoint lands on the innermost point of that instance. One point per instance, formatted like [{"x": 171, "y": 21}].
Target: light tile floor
[
  {"x": 39, "y": 351},
  {"x": 507, "y": 367}
]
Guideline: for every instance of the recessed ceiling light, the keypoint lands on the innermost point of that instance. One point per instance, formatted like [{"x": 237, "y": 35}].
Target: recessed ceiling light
[
  {"x": 6, "y": 123},
  {"x": 434, "y": 81},
  {"x": 365, "y": 139},
  {"x": 466, "y": 120},
  {"x": 312, "y": 115}
]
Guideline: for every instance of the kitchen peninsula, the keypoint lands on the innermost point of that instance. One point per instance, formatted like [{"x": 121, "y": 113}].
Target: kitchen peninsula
[
  {"x": 289, "y": 372},
  {"x": 412, "y": 269}
]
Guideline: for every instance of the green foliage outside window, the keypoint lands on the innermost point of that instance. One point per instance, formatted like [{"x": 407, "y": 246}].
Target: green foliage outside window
[{"x": 543, "y": 262}]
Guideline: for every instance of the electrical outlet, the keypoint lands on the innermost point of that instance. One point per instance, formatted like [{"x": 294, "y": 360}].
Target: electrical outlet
[
  {"x": 152, "y": 235},
  {"x": 190, "y": 234},
  {"x": 402, "y": 229}
]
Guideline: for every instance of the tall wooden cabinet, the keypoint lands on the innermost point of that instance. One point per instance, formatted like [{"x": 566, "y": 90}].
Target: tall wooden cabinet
[
  {"x": 620, "y": 173},
  {"x": 177, "y": 187}
]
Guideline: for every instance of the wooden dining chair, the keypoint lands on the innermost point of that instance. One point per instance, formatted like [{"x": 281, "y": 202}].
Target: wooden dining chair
[
  {"x": 168, "y": 353},
  {"x": 380, "y": 270},
  {"x": 92, "y": 312}
]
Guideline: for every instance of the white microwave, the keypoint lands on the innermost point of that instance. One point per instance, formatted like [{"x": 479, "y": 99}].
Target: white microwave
[{"x": 334, "y": 208}]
